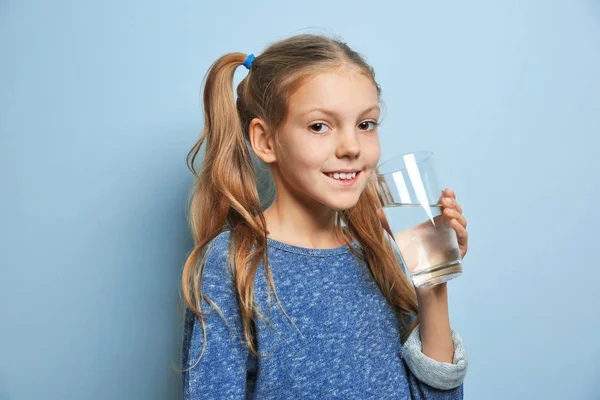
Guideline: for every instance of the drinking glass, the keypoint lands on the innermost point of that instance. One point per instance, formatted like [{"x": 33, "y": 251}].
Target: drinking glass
[{"x": 410, "y": 195}]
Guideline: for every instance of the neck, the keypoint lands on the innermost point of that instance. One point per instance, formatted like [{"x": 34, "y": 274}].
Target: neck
[{"x": 298, "y": 224}]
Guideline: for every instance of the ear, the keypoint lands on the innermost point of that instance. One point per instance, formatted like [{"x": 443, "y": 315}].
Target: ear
[{"x": 261, "y": 140}]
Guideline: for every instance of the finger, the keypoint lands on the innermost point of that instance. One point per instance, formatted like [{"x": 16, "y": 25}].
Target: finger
[
  {"x": 449, "y": 199},
  {"x": 451, "y": 213},
  {"x": 449, "y": 193},
  {"x": 458, "y": 207},
  {"x": 441, "y": 199},
  {"x": 461, "y": 232},
  {"x": 449, "y": 202},
  {"x": 462, "y": 237}
]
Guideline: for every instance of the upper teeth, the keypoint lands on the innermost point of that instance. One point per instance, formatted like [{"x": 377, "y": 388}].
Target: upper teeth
[{"x": 342, "y": 175}]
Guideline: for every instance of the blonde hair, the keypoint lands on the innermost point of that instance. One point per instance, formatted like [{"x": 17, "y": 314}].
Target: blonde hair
[{"x": 225, "y": 194}]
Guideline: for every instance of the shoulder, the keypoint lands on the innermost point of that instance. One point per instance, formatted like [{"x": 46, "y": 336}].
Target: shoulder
[
  {"x": 219, "y": 243},
  {"x": 218, "y": 247},
  {"x": 215, "y": 258}
]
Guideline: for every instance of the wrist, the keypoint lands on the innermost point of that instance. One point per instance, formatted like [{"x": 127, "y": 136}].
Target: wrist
[{"x": 432, "y": 292}]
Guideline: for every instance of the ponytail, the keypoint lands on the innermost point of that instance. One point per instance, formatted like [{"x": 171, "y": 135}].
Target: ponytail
[{"x": 224, "y": 196}]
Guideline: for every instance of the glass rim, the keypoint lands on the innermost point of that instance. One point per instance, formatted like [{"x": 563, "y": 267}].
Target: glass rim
[{"x": 401, "y": 156}]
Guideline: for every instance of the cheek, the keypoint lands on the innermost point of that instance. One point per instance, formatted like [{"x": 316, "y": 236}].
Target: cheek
[
  {"x": 313, "y": 152},
  {"x": 303, "y": 155},
  {"x": 371, "y": 150}
]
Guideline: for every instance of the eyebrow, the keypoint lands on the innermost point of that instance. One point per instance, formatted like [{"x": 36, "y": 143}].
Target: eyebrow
[{"x": 332, "y": 113}]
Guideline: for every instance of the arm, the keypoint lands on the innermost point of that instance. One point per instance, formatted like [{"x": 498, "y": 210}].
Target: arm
[
  {"x": 430, "y": 378},
  {"x": 435, "y": 322},
  {"x": 221, "y": 372}
]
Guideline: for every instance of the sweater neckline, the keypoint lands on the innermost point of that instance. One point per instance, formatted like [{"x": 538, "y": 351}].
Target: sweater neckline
[{"x": 310, "y": 251}]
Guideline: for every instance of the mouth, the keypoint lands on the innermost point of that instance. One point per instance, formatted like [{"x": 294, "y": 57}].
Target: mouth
[{"x": 343, "y": 178}]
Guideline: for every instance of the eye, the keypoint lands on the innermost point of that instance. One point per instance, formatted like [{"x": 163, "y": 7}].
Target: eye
[
  {"x": 374, "y": 125},
  {"x": 318, "y": 126}
]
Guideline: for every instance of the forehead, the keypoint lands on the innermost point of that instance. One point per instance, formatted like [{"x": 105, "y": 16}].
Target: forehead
[{"x": 343, "y": 91}]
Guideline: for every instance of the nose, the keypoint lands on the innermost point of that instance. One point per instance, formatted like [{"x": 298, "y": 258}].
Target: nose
[{"x": 348, "y": 144}]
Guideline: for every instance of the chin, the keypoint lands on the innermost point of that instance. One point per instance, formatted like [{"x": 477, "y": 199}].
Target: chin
[{"x": 343, "y": 205}]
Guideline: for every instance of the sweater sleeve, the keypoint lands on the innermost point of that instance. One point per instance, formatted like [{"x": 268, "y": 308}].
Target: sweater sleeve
[
  {"x": 427, "y": 375},
  {"x": 420, "y": 390},
  {"x": 222, "y": 370}
]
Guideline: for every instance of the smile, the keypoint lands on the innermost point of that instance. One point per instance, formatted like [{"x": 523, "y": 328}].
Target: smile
[{"x": 343, "y": 179}]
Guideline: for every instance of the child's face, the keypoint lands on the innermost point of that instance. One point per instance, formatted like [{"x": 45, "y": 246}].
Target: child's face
[{"x": 317, "y": 143}]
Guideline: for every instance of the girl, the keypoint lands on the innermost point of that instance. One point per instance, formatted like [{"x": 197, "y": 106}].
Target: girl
[{"x": 308, "y": 298}]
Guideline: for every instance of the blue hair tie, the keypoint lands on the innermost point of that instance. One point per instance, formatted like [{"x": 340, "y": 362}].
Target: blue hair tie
[{"x": 248, "y": 61}]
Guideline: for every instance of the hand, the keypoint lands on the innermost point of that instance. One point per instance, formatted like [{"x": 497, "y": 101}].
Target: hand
[
  {"x": 450, "y": 209},
  {"x": 453, "y": 211}
]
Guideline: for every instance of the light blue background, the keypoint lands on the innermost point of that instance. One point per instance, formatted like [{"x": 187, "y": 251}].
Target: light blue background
[{"x": 99, "y": 105}]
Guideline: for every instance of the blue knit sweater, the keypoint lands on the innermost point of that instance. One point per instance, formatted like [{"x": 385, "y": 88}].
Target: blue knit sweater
[{"x": 345, "y": 343}]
